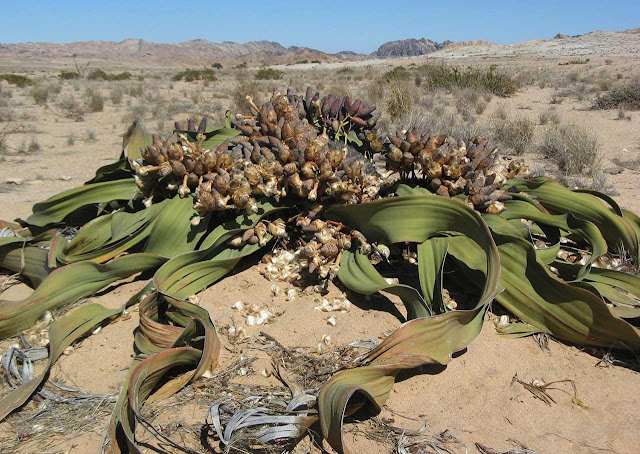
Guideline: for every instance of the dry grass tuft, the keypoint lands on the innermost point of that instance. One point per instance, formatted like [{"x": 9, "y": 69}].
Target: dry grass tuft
[
  {"x": 574, "y": 149},
  {"x": 245, "y": 86},
  {"x": 516, "y": 134},
  {"x": 399, "y": 97}
]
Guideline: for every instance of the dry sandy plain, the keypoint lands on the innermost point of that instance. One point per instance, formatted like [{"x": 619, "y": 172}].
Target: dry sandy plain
[{"x": 473, "y": 398}]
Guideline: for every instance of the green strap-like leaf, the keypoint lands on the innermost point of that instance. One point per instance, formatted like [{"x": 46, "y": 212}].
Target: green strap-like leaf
[
  {"x": 109, "y": 235},
  {"x": 29, "y": 261},
  {"x": 173, "y": 233},
  {"x": 62, "y": 333},
  {"x": 134, "y": 140},
  {"x": 535, "y": 295},
  {"x": 585, "y": 230},
  {"x": 431, "y": 256},
  {"x": 615, "y": 229},
  {"x": 358, "y": 274},
  {"x": 213, "y": 137},
  {"x": 68, "y": 284},
  {"x": 414, "y": 218},
  {"x": 56, "y": 208}
]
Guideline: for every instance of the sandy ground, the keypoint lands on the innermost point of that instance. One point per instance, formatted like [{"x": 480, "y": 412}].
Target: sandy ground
[{"x": 473, "y": 397}]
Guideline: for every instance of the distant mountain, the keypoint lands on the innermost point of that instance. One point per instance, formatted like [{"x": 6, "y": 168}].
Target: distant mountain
[
  {"x": 409, "y": 48},
  {"x": 195, "y": 51}
]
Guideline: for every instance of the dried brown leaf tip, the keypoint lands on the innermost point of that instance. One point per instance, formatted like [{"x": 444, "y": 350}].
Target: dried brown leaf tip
[{"x": 540, "y": 390}]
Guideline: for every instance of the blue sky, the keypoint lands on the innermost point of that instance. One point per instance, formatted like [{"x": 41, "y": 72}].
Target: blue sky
[{"x": 325, "y": 25}]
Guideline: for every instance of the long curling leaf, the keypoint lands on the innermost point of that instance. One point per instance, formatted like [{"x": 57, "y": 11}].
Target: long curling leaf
[
  {"x": 616, "y": 230},
  {"x": 62, "y": 333},
  {"x": 424, "y": 340},
  {"x": 68, "y": 284},
  {"x": 535, "y": 295},
  {"x": 109, "y": 235},
  {"x": 56, "y": 208},
  {"x": 168, "y": 345}
]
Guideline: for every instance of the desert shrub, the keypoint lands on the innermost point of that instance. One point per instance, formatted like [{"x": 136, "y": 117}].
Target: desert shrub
[
  {"x": 375, "y": 91},
  {"x": 516, "y": 134},
  {"x": 67, "y": 75},
  {"x": 55, "y": 88},
  {"x": 302, "y": 62},
  {"x": 549, "y": 116},
  {"x": 17, "y": 80},
  {"x": 399, "y": 97},
  {"x": 501, "y": 113},
  {"x": 345, "y": 70},
  {"x": 98, "y": 74},
  {"x": 469, "y": 99},
  {"x": 574, "y": 149},
  {"x": 5, "y": 94},
  {"x": 69, "y": 107},
  {"x": 269, "y": 74},
  {"x": 95, "y": 102},
  {"x": 190, "y": 75},
  {"x": 316, "y": 61},
  {"x": 604, "y": 84},
  {"x": 139, "y": 111},
  {"x": 244, "y": 86},
  {"x": 555, "y": 99},
  {"x": 397, "y": 73},
  {"x": 34, "y": 145},
  {"x": 40, "y": 94},
  {"x": 116, "y": 95},
  {"x": 135, "y": 90},
  {"x": 340, "y": 90},
  {"x": 448, "y": 77},
  {"x": 573, "y": 77},
  {"x": 577, "y": 61},
  {"x": 625, "y": 96},
  {"x": 91, "y": 136},
  {"x": 216, "y": 65}
]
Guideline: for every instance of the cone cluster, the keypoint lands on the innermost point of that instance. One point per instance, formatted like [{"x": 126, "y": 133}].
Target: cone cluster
[
  {"x": 341, "y": 117},
  {"x": 315, "y": 149},
  {"x": 451, "y": 166},
  {"x": 278, "y": 154}
]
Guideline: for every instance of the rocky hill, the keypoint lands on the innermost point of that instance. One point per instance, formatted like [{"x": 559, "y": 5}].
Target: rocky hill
[
  {"x": 409, "y": 48},
  {"x": 199, "y": 50}
]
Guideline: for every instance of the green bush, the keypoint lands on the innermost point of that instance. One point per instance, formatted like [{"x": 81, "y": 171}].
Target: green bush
[
  {"x": 269, "y": 74},
  {"x": 17, "y": 79},
  {"x": 216, "y": 65},
  {"x": 575, "y": 62},
  {"x": 189, "y": 75},
  {"x": 397, "y": 73},
  {"x": 316, "y": 61},
  {"x": 625, "y": 96},
  {"x": 97, "y": 74},
  {"x": 64, "y": 75},
  {"x": 447, "y": 77}
]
